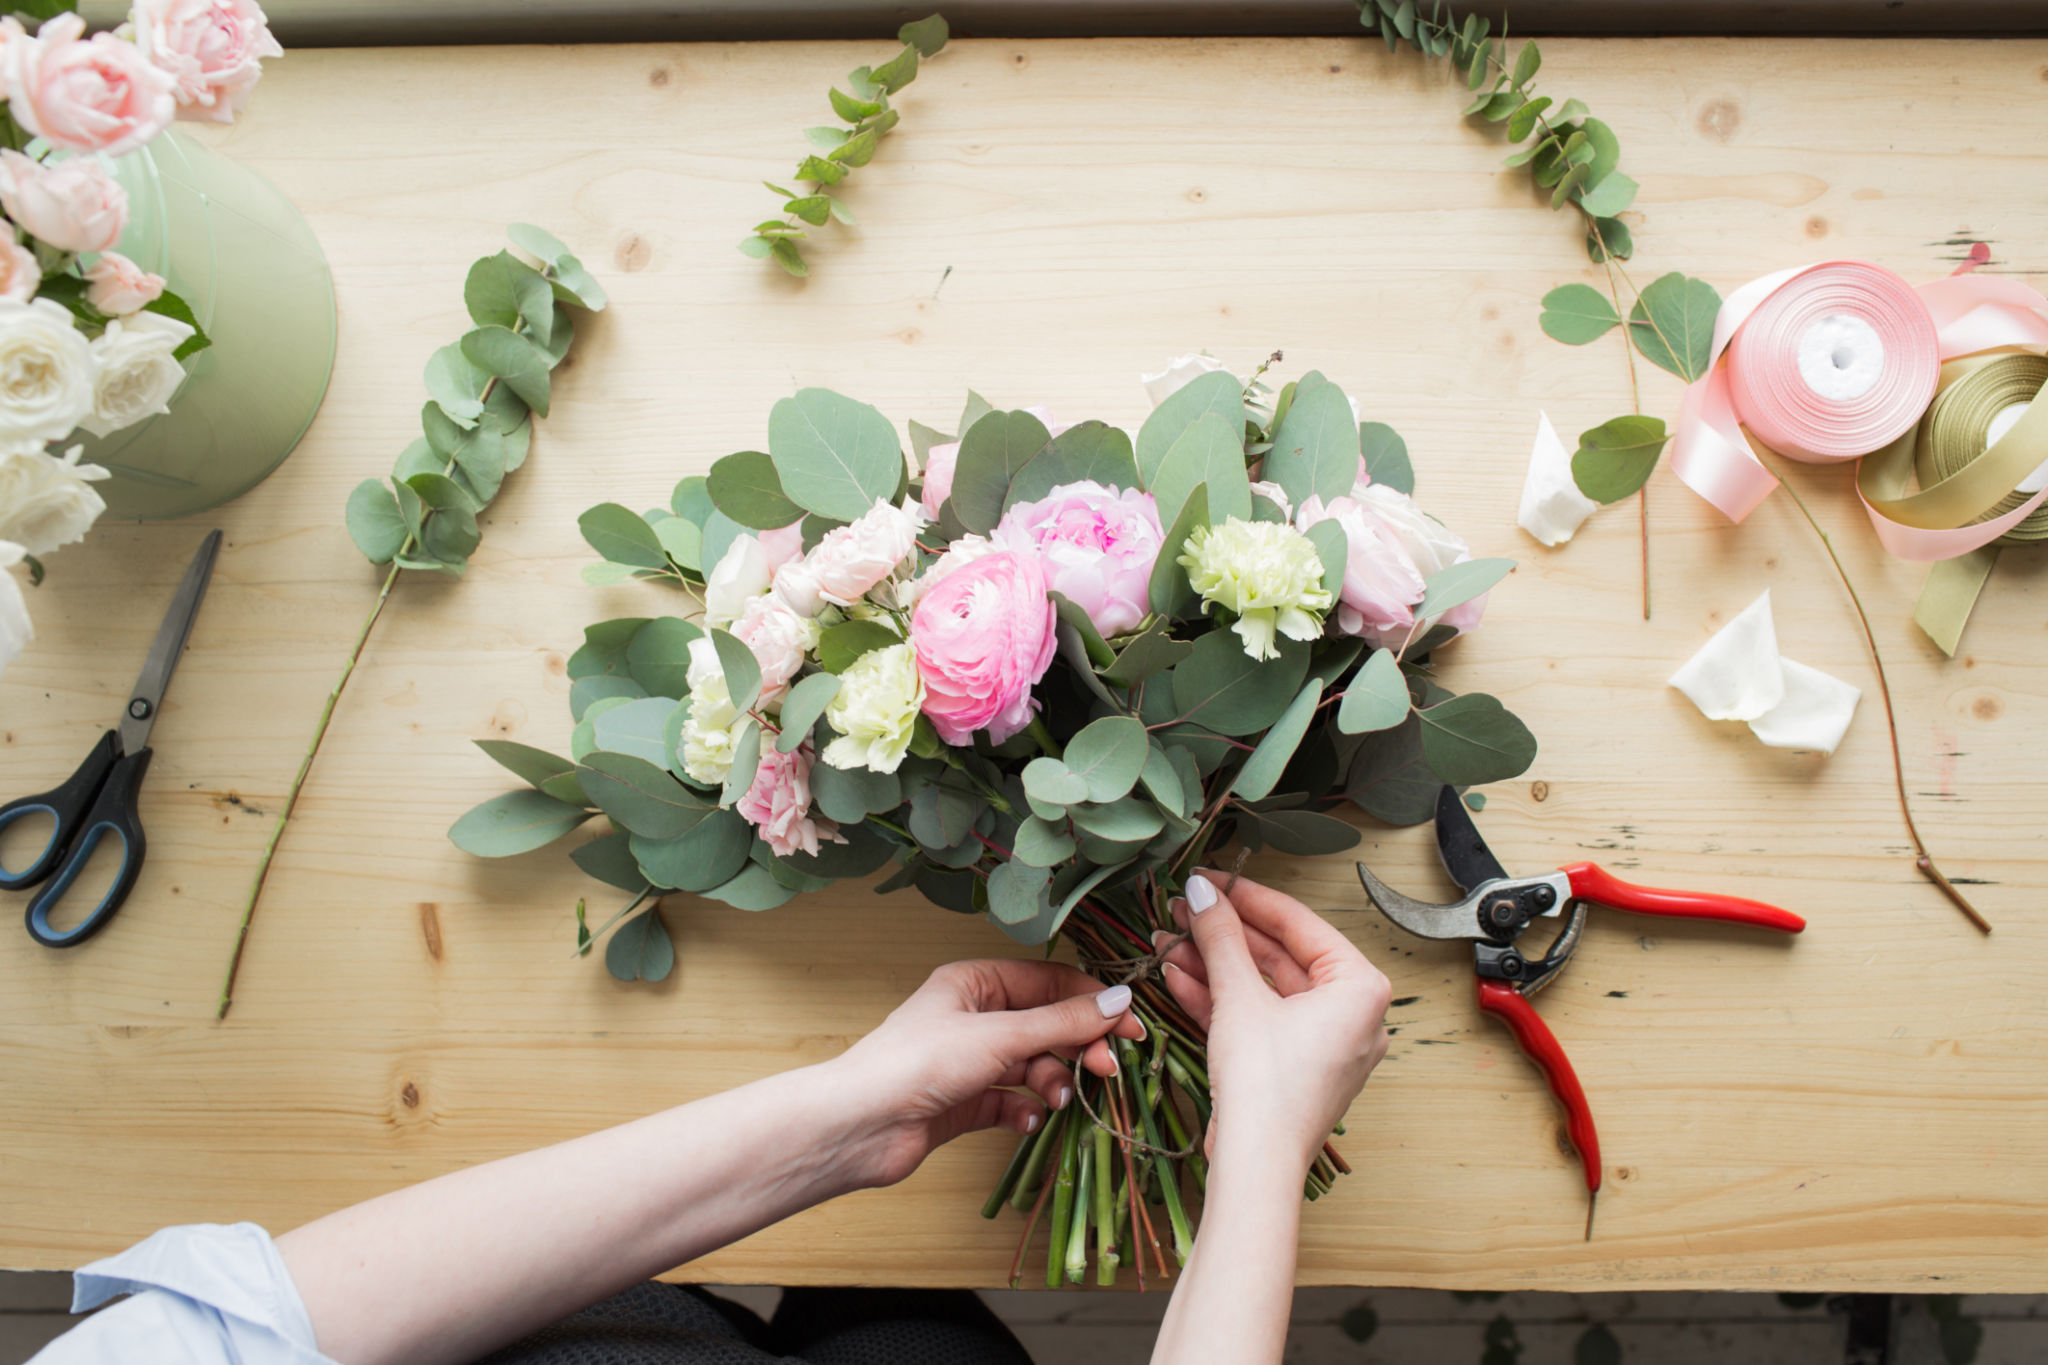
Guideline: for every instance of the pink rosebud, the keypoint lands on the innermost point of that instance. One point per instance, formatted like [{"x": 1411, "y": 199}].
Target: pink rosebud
[
  {"x": 1096, "y": 546},
  {"x": 73, "y": 205},
  {"x": 97, "y": 94},
  {"x": 20, "y": 273},
  {"x": 983, "y": 636},
  {"x": 117, "y": 286},
  {"x": 211, "y": 49},
  {"x": 778, "y": 805}
]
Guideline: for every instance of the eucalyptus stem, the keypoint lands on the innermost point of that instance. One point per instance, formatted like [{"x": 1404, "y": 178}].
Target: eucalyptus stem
[
  {"x": 1162, "y": 1164},
  {"x": 1063, "y": 1205},
  {"x": 1106, "y": 1255},
  {"x": 1635, "y": 393}
]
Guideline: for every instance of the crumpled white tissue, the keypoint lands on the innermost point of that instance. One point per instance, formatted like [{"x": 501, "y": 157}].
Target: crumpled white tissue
[
  {"x": 1738, "y": 674},
  {"x": 1552, "y": 505}
]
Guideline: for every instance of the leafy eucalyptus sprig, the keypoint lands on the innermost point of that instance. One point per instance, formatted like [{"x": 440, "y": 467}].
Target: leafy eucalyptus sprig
[
  {"x": 864, "y": 107},
  {"x": 476, "y": 428}
]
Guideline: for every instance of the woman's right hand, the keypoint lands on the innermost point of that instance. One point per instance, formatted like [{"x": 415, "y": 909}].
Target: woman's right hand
[{"x": 1287, "y": 1058}]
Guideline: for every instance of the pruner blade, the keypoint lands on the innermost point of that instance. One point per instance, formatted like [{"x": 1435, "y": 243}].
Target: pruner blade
[{"x": 1421, "y": 918}]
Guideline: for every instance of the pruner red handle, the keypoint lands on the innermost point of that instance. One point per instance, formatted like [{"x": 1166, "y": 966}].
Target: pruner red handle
[
  {"x": 1594, "y": 883},
  {"x": 1512, "y": 1008}
]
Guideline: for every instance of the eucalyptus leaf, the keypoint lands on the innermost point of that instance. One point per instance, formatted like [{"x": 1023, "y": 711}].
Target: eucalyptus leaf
[
  {"x": 708, "y": 853},
  {"x": 585, "y": 691},
  {"x": 512, "y": 358},
  {"x": 530, "y": 765},
  {"x": 755, "y": 888},
  {"x": 1609, "y": 237},
  {"x": 456, "y": 384},
  {"x": 621, "y": 535},
  {"x": 851, "y": 795},
  {"x": 746, "y": 488},
  {"x": 658, "y": 656},
  {"x": 1168, "y": 591},
  {"x": 516, "y": 822},
  {"x": 1672, "y": 324},
  {"x": 1617, "y": 457},
  {"x": 609, "y": 858},
  {"x": 640, "y": 797},
  {"x": 638, "y": 728},
  {"x": 1333, "y": 548},
  {"x": 1306, "y": 834},
  {"x": 1107, "y": 755},
  {"x": 742, "y": 670},
  {"x": 605, "y": 647},
  {"x": 1216, "y": 392},
  {"x": 1088, "y": 452},
  {"x": 834, "y": 456},
  {"x": 1391, "y": 780},
  {"x": 1576, "y": 314},
  {"x": 640, "y": 950},
  {"x": 1456, "y": 584},
  {"x": 840, "y": 645},
  {"x": 1219, "y": 687},
  {"x": 927, "y": 35},
  {"x": 1208, "y": 455},
  {"x": 1377, "y": 698},
  {"x": 1261, "y": 772},
  {"x": 682, "y": 541},
  {"x": 1018, "y": 892},
  {"x": 374, "y": 521},
  {"x": 503, "y": 291},
  {"x": 863, "y": 852},
  {"x": 1052, "y": 786},
  {"x": 1609, "y": 196},
  {"x": 1042, "y": 843},
  {"x": 1386, "y": 457},
  {"x": 943, "y": 818},
  {"x": 801, "y": 707},
  {"x": 1473, "y": 739},
  {"x": 1152, "y": 651},
  {"x": 991, "y": 455},
  {"x": 1316, "y": 446}
]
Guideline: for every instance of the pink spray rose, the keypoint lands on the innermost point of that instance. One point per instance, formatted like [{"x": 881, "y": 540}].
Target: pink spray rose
[
  {"x": 983, "y": 636},
  {"x": 852, "y": 559},
  {"x": 1096, "y": 546},
  {"x": 20, "y": 273},
  {"x": 779, "y": 639},
  {"x": 73, "y": 205},
  {"x": 211, "y": 49},
  {"x": 1381, "y": 584},
  {"x": 117, "y": 286},
  {"x": 97, "y": 94},
  {"x": 1429, "y": 543},
  {"x": 778, "y": 805}
]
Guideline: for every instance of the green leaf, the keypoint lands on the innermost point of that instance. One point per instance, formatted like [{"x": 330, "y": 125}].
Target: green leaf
[
  {"x": 1609, "y": 237},
  {"x": 1316, "y": 446},
  {"x": 1051, "y": 786},
  {"x": 1090, "y": 452},
  {"x": 707, "y": 854},
  {"x": 512, "y": 358},
  {"x": 1209, "y": 454},
  {"x": 746, "y": 488},
  {"x": 1018, "y": 892},
  {"x": 456, "y": 384},
  {"x": 1576, "y": 314},
  {"x": 1617, "y": 457},
  {"x": 1129, "y": 822},
  {"x": 1108, "y": 754},
  {"x": 1217, "y": 391},
  {"x": 992, "y": 453},
  {"x": 639, "y": 796},
  {"x": 834, "y": 456},
  {"x": 1152, "y": 651},
  {"x": 857, "y": 150},
  {"x": 851, "y": 109},
  {"x": 1526, "y": 63},
  {"x": 503, "y": 290},
  {"x": 170, "y": 305},
  {"x": 1168, "y": 590},
  {"x": 814, "y": 209},
  {"x": 817, "y": 171},
  {"x": 1221, "y": 688},
  {"x": 801, "y": 707},
  {"x": 1605, "y": 198},
  {"x": 1524, "y": 121},
  {"x": 755, "y": 888},
  {"x": 1386, "y": 457},
  {"x": 516, "y": 822},
  {"x": 585, "y": 692},
  {"x": 1377, "y": 698},
  {"x": 639, "y": 728},
  {"x": 1568, "y": 185},
  {"x": 788, "y": 257},
  {"x": 825, "y": 137},
  {"x": 1473, "y": 739},
  {"x": 1098, "y": 652},
  {"x": 1602, "y": 150},
  {"x": 942, "y": 818},
  {"x": 928, "y": 35},
  {"x": 899, "y": 71},
  {"x": 851, "y": 795},
  {"x": 604, "y": 647},
  {"x": 742, "y": 670},
  {"x": 1333, "y": 547},
  {"x": 1042, "y": 843},
  {"x": 621, "y": 535},
  {"x": 641, "y": 950},
  {"x": 1305, "y": 834},
  {"x": 682, "y": 541},
  {"x": 609, "y": 858},
  {"x": 374, "y": 521},
  {"x": 840, "y": 645},
  {"x": 530, "y": 765},
  {"x": 1672, "y": 324},
  {"x": 1456, "y": 584},
  {"x": 746, "y": 764},
  {"x": 1261, "y": 772},
  {"x": 608, "y": 575}
]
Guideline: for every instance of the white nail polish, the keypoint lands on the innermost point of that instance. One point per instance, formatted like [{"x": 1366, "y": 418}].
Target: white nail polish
[
  {"x": 1030, "y": 1124},
  {"x": 1113, "y": 1001},
  {"x": 1200, "y": 893},
  {"x": 1066, "y": 1096}
]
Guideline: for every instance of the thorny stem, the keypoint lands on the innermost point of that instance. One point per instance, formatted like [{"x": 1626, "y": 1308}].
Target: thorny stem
[{"x": 1924, "y": 860}]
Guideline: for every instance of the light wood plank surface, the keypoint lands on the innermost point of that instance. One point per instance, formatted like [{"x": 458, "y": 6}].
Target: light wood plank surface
[{"x": 1865, "y": 1107}]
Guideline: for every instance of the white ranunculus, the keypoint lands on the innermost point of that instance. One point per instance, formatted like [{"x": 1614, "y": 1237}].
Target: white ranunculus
[
  {"x": 47, "y": 372},
  {"x": 46, "y": 501},
  {"x": 15, "y": 628},
  {"x": 875, "y": 711},
  {"x": 741, "y": 573},
  {"x": 1177, "y": 375},
  {"x": 137, "y": 374}
]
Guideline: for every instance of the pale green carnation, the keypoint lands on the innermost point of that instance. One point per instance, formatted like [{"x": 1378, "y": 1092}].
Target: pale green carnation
[
  {"x": 1265, "y": 573},
  {"x": 875, "y": 711}
]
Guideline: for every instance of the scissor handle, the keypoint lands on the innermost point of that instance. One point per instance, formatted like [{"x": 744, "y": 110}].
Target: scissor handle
[
  {"x": 68, "y": 803},
  {"x": 1594, "y": 883},
  {"x": 1536, "y": 1040},
  {"x": 113, "y": 812}
]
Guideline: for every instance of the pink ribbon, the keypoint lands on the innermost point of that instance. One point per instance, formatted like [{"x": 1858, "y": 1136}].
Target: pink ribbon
[{"x": 1754, "y": 381}]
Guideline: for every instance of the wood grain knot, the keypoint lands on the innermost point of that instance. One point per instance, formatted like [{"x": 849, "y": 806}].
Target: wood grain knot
[
  {"x": 1816, "y": 227},
  {"x": 1334, "y": 68},
  {"x": 1987, "y": 707},
  {"x": 510, "y": 715},
  {"x": 1720, "y": 119},
  {"x": 1197, "y": 195},
  {"x": 430, "y": 928},
  {"x": 1539, "y": 791},
  {"x": 410, "y": 1096},
  {"x": 1020, "y": 61},
  {"x": 660, "y": 77},
  {"x": 1624, "y": 1173},
  {"x": 632, "y": 253}
]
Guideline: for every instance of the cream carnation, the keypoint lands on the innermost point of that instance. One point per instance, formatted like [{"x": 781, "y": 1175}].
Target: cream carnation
[
  {"x": 711, "y": 730},
  {"x": 875, "y": 711},
  {"x": 138, "y": 371},
  {"x": 45, "y": 501},
  {"x": 1268, "y": 575},
  {"x": 47, "y": 372}
]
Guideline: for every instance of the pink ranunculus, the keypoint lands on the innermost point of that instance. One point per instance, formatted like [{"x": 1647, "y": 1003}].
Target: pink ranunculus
[
  {"x": 1381, "y": 583},
  {"x": 1096, "y": 546},
  {"x": 779, "y": 639},
  {"x": 73, "y": 205},
  {"x": 778, "y": 805},
  {"x": 97, "y": 94},
  {"x": 852, "y": 559},
  {"x": 20, "y": 273},
  {"x": 117, "y": 286},
  {"x": 983, "y": 636},
  {"x": 212, "y": 50}
]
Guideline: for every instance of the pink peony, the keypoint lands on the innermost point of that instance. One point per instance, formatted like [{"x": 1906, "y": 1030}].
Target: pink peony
[
  {"x": 117, "y": 286},
  {"x": 211, "y": 49},
  {"x": 97, "y": 94},
  {"x": 1096, "y": 546},
  {"x": 778, "y": 805},
  {"x": 20, "y": 273},
  {"x": 72, "y": 205},
  {"x": 983, "y": 636},
  {"x": 779, "y": 638},
  {"x": 1381, "y": 583}
]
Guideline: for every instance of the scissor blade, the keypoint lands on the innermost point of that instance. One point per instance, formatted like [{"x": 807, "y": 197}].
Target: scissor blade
[
  {"x": 139, "y": 716},
  {"x": 1466, "y": 856},
  {"x": 1421, "y": 918}
]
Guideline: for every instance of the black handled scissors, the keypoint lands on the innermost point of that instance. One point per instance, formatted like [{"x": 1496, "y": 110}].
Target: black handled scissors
[{"x": 99, "y": 799}]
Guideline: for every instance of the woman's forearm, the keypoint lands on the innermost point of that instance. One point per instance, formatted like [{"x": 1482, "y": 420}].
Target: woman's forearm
[
  {"x": 1237, "y": 1292},
  {"x": 451, "y": 1269}
]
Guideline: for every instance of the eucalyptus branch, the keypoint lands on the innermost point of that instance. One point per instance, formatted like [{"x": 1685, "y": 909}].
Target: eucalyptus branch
[{"x": 866, "y": 110}]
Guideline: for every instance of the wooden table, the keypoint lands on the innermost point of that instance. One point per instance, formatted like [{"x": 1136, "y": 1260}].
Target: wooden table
[{"x": 1863, "y": 1108}]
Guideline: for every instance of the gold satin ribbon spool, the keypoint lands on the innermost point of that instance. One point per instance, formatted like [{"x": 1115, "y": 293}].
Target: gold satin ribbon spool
[{"x": 1962, "y": 472}]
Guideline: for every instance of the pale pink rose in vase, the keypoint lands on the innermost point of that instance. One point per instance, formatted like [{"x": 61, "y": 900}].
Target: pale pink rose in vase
[
  {"x": 97, "y": 94},
  {"x": 1381, "y": 582},
  {"x": 983, "y": 637},
  {"x": 855, "y": 558},
  {"x": 1096, "y": 546},
  {"x": 73, "y": 205},
  {"x": 117, "y": 286},
  {"x": 778, "y": 805},
  {"x": 20, "y": 273},
  {"x": 779, "y": 639},
  {"x": 212, "y": 50}
]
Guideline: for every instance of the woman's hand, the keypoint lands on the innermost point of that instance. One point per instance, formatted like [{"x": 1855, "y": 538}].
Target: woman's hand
[
  {"x": 930, "y": 1072},
  {"x": 1287, "y": 1058}
]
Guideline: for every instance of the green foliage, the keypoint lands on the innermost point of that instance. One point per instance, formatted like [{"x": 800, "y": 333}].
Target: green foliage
[
  {"x": 1617, "y": 457},
  {"x": 1576, "y": 314},
  {"x": 1386, "y": 456},
  {"x": 1316, "y": 444},
  {"x": 869, "y": 117},
  {"x": 835, "y": 457},
  {"x": 1672, "y": 324},
  {"x": 516, "y": 822},
  {"x": 641, "y": 950},
  {"x": 1377, "y": 698}
]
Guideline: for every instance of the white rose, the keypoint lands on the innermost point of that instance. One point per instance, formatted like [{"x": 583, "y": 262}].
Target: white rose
[
  {"x": 137, "y": 374},
  {"x": 712, "y": 729},
  {"x": 47, "y": 372},
  {"x": 740, "y": 574},
  {"x": 1178, "y": 375},
  {"x": 1432, "y": 545},
  {"x": 852, "y": 559},
  {"x": 876, "y": 709},
  {"x": 45, "y": 501},
  {"x": 15, "y": 628},
  {"x": 779, "y": 639}
]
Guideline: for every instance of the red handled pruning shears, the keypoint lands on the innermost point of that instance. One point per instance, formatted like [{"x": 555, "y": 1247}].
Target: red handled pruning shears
[{"x": 1496, "y": 909}]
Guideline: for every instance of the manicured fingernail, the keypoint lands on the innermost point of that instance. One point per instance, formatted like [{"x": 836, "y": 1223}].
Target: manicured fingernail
[
  {"x": 1143, "y": 1032},
  {"x": 1201, "y": 894},
  {"x": 1159, "y": 938},
  {"x": 1113, "y": 1001},
  {"x": 1114, "y": 1068},
  {"x": 1066, "y": 1094},
  {"x": 1030, "y": 1123}
]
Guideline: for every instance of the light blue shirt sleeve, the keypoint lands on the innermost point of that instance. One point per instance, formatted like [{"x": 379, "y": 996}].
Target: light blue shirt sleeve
[{"x": 205, "y": 1294}]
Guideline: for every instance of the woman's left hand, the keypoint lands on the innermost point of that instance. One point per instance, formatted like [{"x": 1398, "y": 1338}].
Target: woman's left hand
[{"x": 936, "y": 1067}]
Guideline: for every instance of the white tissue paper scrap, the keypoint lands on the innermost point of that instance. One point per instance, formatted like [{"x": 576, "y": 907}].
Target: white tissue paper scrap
[
  {"x": 1552, "y": 505},
  {"x": 1738, "y": 674}
]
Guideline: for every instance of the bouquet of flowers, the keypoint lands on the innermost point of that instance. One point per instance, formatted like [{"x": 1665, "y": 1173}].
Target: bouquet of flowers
[
  {"x": 89, "y": 339},
  {"x": 1042, "y": 678}
]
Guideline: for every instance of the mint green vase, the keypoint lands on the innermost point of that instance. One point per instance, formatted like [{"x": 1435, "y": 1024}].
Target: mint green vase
[{"x": 233, "y": 247}]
